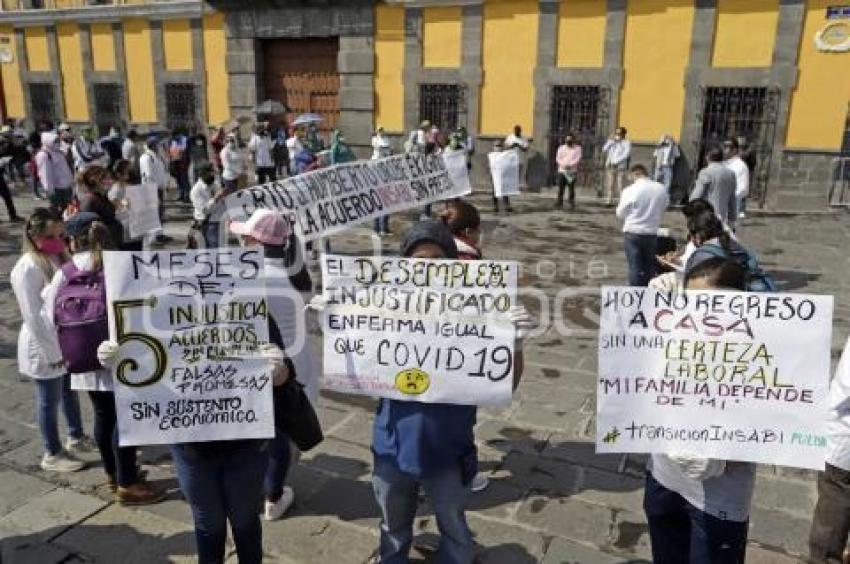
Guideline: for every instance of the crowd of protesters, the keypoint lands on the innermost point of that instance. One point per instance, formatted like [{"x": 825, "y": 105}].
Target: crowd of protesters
[{"x": 697, "y": 508}]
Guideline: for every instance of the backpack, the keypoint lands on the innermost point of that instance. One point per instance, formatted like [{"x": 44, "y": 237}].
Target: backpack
[
  {"x": 80, "y": 318},
  {"x": 757, "y": 279}
]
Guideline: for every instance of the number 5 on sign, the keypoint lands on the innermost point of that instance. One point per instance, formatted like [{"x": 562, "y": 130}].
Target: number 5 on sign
[{"x": 124, "y": 337}]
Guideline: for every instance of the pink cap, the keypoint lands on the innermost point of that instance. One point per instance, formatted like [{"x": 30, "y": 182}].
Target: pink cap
[{"x": 266, "y": 226}]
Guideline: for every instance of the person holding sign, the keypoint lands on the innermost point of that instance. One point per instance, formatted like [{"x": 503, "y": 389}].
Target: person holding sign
[
  {"x": 286, "y": 277},
  {"x": 426, "y": 445},
  {"x": 698, "y": 509},
  {"x": 499, "y": 147},
  {"x": 831, "y": 521},
  {"x": 82, "y": 328}
]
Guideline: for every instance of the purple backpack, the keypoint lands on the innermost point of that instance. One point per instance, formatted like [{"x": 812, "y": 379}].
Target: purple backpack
[{"x": 80, "y": 318}]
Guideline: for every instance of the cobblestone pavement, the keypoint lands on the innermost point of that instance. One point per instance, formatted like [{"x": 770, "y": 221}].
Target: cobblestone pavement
[{"x": 551, "y": 499}]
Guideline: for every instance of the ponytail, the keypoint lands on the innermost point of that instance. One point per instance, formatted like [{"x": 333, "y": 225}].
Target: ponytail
[
  {"x": 96, "y": 240},
  {"x": 37, "y": 225}
]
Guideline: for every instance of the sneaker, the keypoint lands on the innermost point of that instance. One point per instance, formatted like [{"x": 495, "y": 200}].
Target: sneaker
[
  {"x": 479, "y": 482},
  {"x": 140, "y": 493},
  {"x": 274, "y": 510},
  {"x": 742, "y": 215},
  {"x": 80, "y": 444},
  {"x": 424, "y": 217},
  {"x": 61, "y": 462},
  {"x": 163, "y": 238}
]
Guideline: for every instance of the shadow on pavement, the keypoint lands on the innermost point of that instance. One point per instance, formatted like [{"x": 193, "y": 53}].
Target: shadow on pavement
[{"x": 112, "y": 543}]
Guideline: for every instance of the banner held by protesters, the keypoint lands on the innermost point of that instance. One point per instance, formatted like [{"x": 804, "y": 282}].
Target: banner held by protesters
[
  {"x": 144, "y": 209},
  {"x": 332, "y": 199},
  {"x": 189, "y": 367},
  {"x": 433, "y": 331},
  {"x": 726, "y": 375}
]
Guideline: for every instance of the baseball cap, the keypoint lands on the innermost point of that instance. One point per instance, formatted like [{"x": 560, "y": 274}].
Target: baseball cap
[{"x": 266, "y": 226}]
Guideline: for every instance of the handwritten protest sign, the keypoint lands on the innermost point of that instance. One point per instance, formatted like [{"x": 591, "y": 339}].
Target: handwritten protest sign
[
  {"x": 455, "y": 161},
  {"x": 728, "y": 375},
  {"x": 504, "y": 169},
  {"x": 419, "y": 330},
  {"x": 144, "y": 209},
  {"x": 335, "y": 198},
  {"x": 188, "y": 366}
]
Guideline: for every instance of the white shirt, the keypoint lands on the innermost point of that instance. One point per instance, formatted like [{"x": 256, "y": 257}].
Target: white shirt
[
  {"x": 518, "y": 140},
  {"x": 38, "y": 345},
  {"x": 86, "y": 154},
  {"x": 203, "y": 202},
  {"x": 261, "y": 146},
  {"x": 838, "y": 416},
  {"x": 641, "y": 206},
  {"x": 232, "y": 162},
  {"x": 380, "y": 147},
  {"x": 99, "y": 380},
  {"x": 617, "y": 153},
  {"x": 128, "y": 150},
  {"x": 742, "y": 176},
  {"x": 294, "y": 146},
  {"x": 153, "y": 169}
]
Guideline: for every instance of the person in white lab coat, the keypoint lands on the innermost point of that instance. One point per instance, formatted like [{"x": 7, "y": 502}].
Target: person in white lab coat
[
  {"x": 618, "y": 152},
  {"x": 831, "y": 520},
  {"x": 734, "y": 162},
  {"x": 39, "y": 356}
]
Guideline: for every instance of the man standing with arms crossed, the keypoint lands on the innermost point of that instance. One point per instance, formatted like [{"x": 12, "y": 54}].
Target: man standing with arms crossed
[{"x": 618, "y": 151}]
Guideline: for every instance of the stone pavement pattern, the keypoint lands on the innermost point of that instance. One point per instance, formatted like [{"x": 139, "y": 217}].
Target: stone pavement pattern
[{"x": 551, "y": 499}]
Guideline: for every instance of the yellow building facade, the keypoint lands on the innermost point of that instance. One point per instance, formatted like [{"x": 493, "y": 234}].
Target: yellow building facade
[{"x": 699, "y": 71}]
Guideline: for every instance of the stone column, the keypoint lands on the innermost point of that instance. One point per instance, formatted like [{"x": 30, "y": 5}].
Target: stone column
[
  {"x": 158, "y": 58},
  {"x": 615, "y": 37},
  {"x": 412, "y": 66},
  {"x": 55, "y": 70},
  {"x": 470, "y": 65},
  {"x": 121, "y": 68},
  {"x": 356, "y": 64},
  {"x": 702, "y": 43},
  {"x": 547, "y": 47},
  {"x": 199, "y": 69}
]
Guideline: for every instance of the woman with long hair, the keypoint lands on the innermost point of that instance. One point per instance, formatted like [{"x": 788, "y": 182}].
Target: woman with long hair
[
  {"x": 123, "y": 177},
  {"x": 39, "y": 356},
  {"x": 93, "y": 189},
  {"x": 89, "y": 237}
]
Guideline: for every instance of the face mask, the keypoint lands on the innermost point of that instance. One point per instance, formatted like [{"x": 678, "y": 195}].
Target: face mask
[
  {"x": 51, "y": 245},
  {"x": 208, "y": 179}
]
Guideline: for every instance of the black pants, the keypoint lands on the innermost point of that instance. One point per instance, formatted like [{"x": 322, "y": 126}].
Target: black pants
[
  {"x": 682, "y": 534},
  {"x": 7, "y": 198},
  {"x": 119, "y": 463},
  {"x": 265, "y": 174},
  {"x": 563, "y": 184},
  {"x": 640, "y": 256},
  {"x": 831, "y": 521},
  {"x": 505, "y": 200}
]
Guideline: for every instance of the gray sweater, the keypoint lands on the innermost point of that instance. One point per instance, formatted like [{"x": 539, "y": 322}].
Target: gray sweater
[{"x": 717, "y": 184}]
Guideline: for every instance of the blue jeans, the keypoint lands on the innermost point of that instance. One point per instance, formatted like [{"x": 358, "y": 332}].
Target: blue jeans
[
  {"x": 640, "y": 256},
  {"x": 211, "y": 234},
  {"x": 278, "y": 467},
  {"x": 49, "y": 394},
  {"x": 397, "y": 495},
  {"x": 382, "y": 224},
  {"x": 682, "y": 534},
  {"x": 664, "y": 175},
  {"x": 221, "y": 489}
]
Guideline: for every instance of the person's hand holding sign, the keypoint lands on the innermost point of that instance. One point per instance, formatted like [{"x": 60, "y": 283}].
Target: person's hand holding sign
[{"x": 277, "y": 360}]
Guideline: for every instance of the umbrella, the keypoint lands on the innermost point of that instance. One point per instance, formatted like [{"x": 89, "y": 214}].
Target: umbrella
[
  {"x": 304, "y": 119},
  {"x": 271, "y": 108}
]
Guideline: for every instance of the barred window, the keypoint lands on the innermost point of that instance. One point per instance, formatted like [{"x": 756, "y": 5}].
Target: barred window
[
  {"x": 180, "y": 107},
  {"x": 443, "y": 105},
  {"x": 43, "y": 101},
  {"x": 107, "y": 106}
]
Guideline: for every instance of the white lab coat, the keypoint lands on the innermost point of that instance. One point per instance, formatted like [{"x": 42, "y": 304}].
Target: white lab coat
[
  {"x": 838, "y": 418},
  {"x": 153, "y": 169},
  {"x": 99, "y": 380},
  {"x": 38, "y": 346}
]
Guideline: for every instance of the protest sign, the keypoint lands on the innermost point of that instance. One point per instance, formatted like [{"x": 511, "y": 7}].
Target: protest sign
[
  {"x": 504, "y": 169},
  {"x": 335, "y": 198},
  {"x": 456, "y": 168},
  {"x": 419, "y": 330},
  {"x": 188, "y": 368},
  {"x": 144, "y": 209},
  {"x": 727, "y": 375}
]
